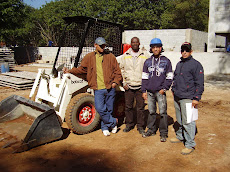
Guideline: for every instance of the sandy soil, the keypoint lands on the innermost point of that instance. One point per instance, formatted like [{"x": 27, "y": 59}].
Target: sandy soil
[{"x": 131, "y": 152}]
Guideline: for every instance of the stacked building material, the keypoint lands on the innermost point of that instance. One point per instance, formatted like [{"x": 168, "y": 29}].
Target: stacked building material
[
  {"x": 18, "y": 80},
  {"x": 7, "y": 56}
]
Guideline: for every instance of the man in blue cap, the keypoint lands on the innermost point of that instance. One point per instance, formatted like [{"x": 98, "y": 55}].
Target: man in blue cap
[
  {"x": 156, "y": 80},
  {"x": 103, "y": 74}
]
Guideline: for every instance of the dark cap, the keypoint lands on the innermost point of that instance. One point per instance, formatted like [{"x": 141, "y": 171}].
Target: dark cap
[
  {"x": 186, "y": 45},
  {"x": 100, "y": 41}
]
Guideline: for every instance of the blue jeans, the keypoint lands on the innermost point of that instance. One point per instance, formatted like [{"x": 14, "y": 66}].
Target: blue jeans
[
  {"x": 104, "y": 100},
  {"x": 186, "y": 131},
  {"x": 162, "y": 104}
]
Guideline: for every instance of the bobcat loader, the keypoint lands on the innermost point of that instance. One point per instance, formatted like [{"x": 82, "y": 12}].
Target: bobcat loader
[{"x": 56, "y": 97}]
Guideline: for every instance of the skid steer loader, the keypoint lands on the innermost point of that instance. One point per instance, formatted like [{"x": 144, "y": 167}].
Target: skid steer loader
[{"x": 57, "y": 97}]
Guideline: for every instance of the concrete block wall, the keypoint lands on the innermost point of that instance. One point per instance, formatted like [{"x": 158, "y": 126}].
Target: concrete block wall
[
  {"x": 145, "y": 36},
  {"x": 198, "y": 40},
  {"x": 172, "y": 38},
  {"x": 177, "y": 37},
  {"x": 48, "y": 54}
]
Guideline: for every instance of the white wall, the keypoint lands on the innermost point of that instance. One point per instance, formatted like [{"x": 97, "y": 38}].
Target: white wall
[{"x": 213, "y": 63}]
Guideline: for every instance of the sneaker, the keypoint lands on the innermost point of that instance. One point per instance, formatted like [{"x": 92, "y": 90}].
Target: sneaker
[
  {"x": 175, "y": 140},
  {"x": 163, "y": 139},
  {"x": 114, "y": 130},
  {"x": 106, "y": 132},
  {"x": 187, "y": 151},
  {"x": 141, "y": 130},
  {"x": 148, "y": 133},
  {"x": 127, "y": 129}
]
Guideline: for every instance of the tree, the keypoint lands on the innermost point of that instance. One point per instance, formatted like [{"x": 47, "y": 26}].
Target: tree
[
  {"x": 23, "y": 25},
  {"x": 133, "y": 14},
  {"x": 186, "y": 14},
  {"x": 13, "y": 16}
]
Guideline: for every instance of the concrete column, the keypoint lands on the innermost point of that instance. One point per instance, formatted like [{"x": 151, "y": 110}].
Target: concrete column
[
  {"x": 211, "y": 27},
  {"x": 124, "y": 38},
  {"x": 188, "y": 35}
]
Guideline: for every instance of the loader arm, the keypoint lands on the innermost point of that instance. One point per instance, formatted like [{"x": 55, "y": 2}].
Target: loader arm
[
  {"x": 73, "y": 84},
  {"x": 36, "y": 82}
]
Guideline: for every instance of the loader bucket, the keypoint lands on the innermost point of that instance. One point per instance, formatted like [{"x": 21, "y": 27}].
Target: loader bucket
[{"x": 25, "y": 124}]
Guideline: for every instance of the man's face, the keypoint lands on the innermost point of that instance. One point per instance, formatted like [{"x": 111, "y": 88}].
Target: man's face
[
  {"x": 185, "y": 52},
  {"x": 156, "y": 50},
  {"x": 100, "y": 48},
  {"x": 135, "y": 43}
]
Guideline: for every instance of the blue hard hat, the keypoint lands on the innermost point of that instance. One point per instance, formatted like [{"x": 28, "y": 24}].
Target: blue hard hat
[{"x": 155, "y": 41}]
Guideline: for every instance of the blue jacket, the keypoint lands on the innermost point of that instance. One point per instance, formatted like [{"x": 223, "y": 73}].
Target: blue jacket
[
  {"x": 188, "y": 81},
  {"x": 157, "y": 74}
]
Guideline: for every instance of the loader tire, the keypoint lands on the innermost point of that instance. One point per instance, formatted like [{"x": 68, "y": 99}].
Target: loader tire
[{"x": 81, "y": 115}]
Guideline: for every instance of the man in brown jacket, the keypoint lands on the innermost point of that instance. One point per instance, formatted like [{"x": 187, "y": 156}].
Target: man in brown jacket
[{"x": 103, "y": 74}]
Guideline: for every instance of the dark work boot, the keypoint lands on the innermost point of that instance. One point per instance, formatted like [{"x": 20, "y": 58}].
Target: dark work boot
[
  {"x": 141, "y": 130},
  {"x": 127, "y": 129},
  {"x": 148, "y": 133}
]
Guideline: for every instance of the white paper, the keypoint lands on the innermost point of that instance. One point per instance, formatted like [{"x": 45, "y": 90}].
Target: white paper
[{"x": 192, "y": 113}]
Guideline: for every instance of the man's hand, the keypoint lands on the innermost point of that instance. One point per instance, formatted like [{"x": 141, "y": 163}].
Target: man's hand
[
  {"x": 162, "y": 92},
  {"x": 145, "y": 96},
  {"x": 65, "y": 70},
  {"x": 194, "y": 103},
  {"x": 126, "y": 87},
  {"x": 114, "y": 85}
]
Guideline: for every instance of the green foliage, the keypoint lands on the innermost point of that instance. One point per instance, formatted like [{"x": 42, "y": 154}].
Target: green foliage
[
  {"x": 22, "y": 24},
  {"x": 186, "y": 14},
  {"x": 11, "y": 14}
]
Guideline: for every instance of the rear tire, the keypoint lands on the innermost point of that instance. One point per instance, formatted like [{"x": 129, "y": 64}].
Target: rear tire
[{"x": 81, "y": 115}]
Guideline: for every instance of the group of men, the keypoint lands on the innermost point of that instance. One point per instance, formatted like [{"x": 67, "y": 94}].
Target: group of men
[{"x": 144, "y": 77}]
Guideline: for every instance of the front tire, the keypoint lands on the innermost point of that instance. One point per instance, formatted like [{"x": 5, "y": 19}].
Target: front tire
[{"x": 81, "y": 115}]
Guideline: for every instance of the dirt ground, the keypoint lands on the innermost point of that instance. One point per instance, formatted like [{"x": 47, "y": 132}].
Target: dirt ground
[{"x": 129, "y": 151}]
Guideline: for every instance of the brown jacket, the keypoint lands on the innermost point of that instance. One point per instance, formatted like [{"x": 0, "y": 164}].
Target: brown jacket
[{"x": 111, "y": 70}]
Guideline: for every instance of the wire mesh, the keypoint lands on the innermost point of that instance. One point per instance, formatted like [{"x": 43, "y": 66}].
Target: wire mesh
[{"x": 73, "y": 36}]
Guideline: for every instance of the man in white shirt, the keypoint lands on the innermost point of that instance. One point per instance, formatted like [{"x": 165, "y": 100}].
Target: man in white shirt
[{"x": 131, "y": 64}]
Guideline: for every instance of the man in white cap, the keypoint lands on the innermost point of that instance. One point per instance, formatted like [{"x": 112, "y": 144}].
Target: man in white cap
[{"x": 103, "y": 74}]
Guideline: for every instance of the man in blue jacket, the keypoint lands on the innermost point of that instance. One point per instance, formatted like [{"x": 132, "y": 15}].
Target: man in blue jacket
[
  {"x": 188, "y": 86},
  {"x": 156, "y": 79}
]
